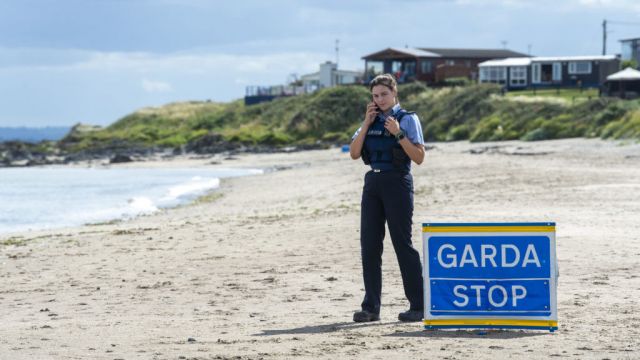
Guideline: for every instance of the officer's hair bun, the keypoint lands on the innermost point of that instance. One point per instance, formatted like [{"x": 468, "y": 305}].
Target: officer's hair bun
[{"x": 387, "y": 80}]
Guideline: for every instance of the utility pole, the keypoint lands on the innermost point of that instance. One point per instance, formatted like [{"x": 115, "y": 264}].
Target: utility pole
[
  {"x": 504, "y": 44},
  {"x": 529, "y": 49},
  {"x": 604, "y": 37},
  {"x": 613, "y": 22},
  {"x": 337, "y": 51}
]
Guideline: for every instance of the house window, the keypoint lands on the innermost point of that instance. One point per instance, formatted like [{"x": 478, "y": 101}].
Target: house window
[
  {"x": 426, "y": 66},
  {"x": 546, "y": 72},
  {"x": 410, "y": 68},
  {"x": 450, "y": 62},
  {"x": 374, "y": 68},
  {"x": 518, "y": 76},
  {"x": 580, "y": 67},
  {"x": 403, "y": 70},
  {"x": 396, "y": 66},
  {"x": 556, "y": 73},
  {"x": 536, "y": 70},
  {"x": 493, "y": 74}
]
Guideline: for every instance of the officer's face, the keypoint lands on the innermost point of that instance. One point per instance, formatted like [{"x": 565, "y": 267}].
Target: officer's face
[{"x": 383, "y": 97}]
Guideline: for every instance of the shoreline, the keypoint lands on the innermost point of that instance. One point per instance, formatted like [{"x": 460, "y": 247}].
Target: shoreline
[
  {"x": 271, "y": 269},
  {"x": 14, "y": 155},
  {"x": 209, "y": 163}
]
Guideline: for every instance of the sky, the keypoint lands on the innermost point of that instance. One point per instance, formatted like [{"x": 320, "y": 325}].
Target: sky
[{"x": 94, "y": 61}]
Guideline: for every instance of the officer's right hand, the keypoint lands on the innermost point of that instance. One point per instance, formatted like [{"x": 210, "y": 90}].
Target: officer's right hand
[{"x": 372, "y": 111}]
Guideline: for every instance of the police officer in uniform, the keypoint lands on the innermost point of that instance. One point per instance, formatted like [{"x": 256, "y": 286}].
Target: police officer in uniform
[{"x": 388, "y": 140}]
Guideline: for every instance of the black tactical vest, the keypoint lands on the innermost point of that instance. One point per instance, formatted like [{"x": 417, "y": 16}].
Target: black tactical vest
[{"x": 381, "y": 150}]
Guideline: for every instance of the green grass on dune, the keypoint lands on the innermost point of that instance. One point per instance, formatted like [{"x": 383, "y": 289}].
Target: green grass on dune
[
  {"x": 473, "y": 112},
  {"x": 570, "y": 95}
]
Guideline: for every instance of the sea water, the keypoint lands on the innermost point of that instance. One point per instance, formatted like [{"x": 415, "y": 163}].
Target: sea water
[{"x": 53, "y": 197}]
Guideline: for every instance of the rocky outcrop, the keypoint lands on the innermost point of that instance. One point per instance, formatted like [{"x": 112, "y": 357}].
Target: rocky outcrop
[
  {"x": 16, "y": 153},
  {"x": 211, "y": 143},
  {"x": 120, "y": 158}
]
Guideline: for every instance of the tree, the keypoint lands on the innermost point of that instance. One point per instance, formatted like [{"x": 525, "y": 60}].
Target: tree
[{"x": 629, "y": 63}]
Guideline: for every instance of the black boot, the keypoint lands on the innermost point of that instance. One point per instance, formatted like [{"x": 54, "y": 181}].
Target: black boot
[{"x": 365, "y": 316}]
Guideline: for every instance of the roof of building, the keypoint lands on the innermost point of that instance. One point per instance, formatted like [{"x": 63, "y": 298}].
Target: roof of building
[
  {"x": 417, "y": 52},
  {"x": 528, "y": 61},
  {"x": 573, "y": 58},
  {"x": 628, "y": 74},
  {"x": 406, "y": 51},
  {"x": 447, "y": 53},
  {"x": 311, "y": 76},
  {"x": 316, "y": 75},
  {"x": 631, "y": 39},
  {"x": 507, "y": 62},
  {"x": 474, "y": 53}
]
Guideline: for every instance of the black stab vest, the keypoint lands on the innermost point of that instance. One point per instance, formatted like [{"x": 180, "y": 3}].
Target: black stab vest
[{"x": 381, "y": 150}]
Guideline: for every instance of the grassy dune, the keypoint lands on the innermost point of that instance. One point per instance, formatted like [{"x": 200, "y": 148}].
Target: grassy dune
[{"x": 475, "y": 112}]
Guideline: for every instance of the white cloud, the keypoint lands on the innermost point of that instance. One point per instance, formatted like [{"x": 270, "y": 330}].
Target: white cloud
[
  {"x": 198, "y": 63},
  {"x": 554, "y": 4},
  {"x": 623, "y": 5},
  {"x": 152, "y": 86},
  {"x": 506, "y": 3},
  {"x": 131, "y": 80}
]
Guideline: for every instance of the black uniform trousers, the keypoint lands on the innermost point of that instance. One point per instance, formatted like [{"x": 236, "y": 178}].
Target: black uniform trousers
[{"x": 388, "y": 196}]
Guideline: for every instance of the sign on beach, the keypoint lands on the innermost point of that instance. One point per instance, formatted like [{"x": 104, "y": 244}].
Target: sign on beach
[{"x": 490, "y": 275}]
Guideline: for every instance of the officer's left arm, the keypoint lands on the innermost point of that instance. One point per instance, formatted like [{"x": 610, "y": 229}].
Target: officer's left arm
[{"x": 414, "y": 151}]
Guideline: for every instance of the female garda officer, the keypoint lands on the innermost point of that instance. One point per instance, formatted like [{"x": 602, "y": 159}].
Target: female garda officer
[{"x": 388, "y": 140}]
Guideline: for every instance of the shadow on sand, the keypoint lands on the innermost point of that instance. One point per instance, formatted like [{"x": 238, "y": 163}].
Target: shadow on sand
[
  {"x": 475, "y": 334},
  {"x": 451, "y": 334},
  {"x": 320, "y": 329}
]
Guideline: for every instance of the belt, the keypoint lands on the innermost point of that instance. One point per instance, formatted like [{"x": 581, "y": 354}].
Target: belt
[{"x": 377, "y": 171}]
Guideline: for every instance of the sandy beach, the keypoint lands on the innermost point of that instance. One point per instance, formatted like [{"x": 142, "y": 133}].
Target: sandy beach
[{"x": 269, "y": 266}]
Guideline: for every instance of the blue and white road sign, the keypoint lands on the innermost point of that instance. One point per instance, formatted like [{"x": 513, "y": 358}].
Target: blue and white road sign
[{"x": 490, "y": 275}]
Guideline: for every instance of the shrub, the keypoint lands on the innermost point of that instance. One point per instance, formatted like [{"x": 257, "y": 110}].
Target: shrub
[
  {"x": 405, "y": 91},
  {"x": 274, "y": 138},
  {"x": 330, "y": 110},
  {"x": 625, "y": 128},
  {"x": 629, "y": 63},
  {"x": 337, "y": 137},
  {"x": 489, "y": 129},
  {"x": 535, "y": 135},
  {"x": 460, "y": 132},
  {"x": 173, "y": 141},
  {"x": 457, "y": 81}
]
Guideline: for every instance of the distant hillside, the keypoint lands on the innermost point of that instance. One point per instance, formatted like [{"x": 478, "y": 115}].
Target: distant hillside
[
  {"x": 480, "y": 113},
  {"x": 33, "y": 135},
  {"x": 326, "y": 116},
  {"x": 330, "y": 116}
]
